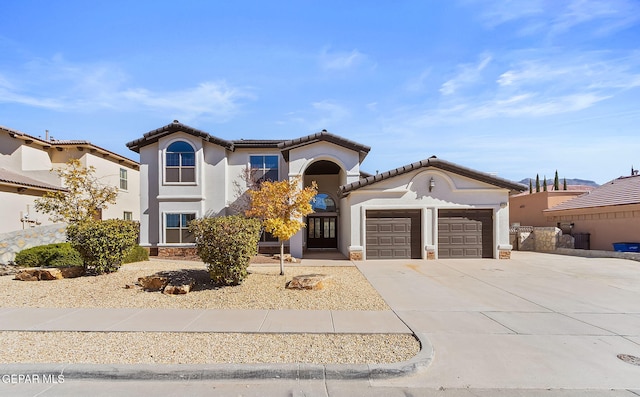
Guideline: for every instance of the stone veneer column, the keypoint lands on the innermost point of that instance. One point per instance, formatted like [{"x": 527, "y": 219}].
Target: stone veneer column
[{"x": 355, "y": 253}]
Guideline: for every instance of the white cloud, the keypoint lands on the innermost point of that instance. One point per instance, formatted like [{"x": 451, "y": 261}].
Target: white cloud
[
  {"x": 554, "y": 17},
  {"x": 341, "y": 60},
  {"x": 418, "y": 84},
  {"x": 60, "y": 85},
  {"x": 325, "y": 114},
  {"x": 467, "y": 75}
]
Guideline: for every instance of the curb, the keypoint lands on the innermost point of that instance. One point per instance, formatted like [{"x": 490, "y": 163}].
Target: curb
[{"x": 191, "y": 372}]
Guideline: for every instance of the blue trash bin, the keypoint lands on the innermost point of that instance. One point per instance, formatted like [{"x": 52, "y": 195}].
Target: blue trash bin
[{"x": 626, "y": 247}]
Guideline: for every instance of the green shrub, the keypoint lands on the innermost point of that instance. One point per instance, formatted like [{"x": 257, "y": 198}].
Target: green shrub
[
  {"x": 136, "y": 254},
  {"x": 51, "y": 255},
  {"x": 103, "y": 244},
  {"x": 226, "y": 244}
]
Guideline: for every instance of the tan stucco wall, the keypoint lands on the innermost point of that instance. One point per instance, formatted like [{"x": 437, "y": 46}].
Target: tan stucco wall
[
  {"x": 606, "y": 225},
  {"x": 526, "y": 209}
]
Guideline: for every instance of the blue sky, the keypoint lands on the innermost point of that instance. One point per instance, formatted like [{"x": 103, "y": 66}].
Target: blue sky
[{"x": 516, "y": 88}]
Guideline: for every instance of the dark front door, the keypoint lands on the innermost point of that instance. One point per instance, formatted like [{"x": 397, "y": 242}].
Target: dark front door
[{"x": 322, "y": 232}]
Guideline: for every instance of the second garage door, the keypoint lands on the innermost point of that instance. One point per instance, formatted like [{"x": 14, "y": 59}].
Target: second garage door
[
  {"x": 393, "y": 235},
  {"x": 465, "y": 234}
]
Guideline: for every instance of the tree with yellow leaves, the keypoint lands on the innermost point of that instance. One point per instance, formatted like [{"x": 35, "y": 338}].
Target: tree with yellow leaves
[
  {"x": 84, "y": 196},
  {"x": 281, "y": 206}
]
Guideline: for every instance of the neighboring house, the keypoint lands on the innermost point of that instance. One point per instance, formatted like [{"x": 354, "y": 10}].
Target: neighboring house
[
  {"x": 26, "y": 164},
  {"x": 609, "y": 213},
  {"x": 427, "y": 209},
  {"x": 526, "y": 209}
]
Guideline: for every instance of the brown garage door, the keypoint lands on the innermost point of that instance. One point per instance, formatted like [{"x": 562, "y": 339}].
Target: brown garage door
[
  {"x": 393, "y": 234},
  {"x": 465, "y": 234}
]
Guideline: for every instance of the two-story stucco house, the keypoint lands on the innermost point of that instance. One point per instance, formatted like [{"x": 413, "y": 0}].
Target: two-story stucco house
[
  {"x": 26, "y": 164},
  {"x": 428, "y": 209}
]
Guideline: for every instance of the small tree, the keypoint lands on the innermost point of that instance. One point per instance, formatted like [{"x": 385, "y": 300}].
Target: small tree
[
  {"x": 564, "y": 184},
  {"x": 281, "y": 206},
  {"x": 537, "y": 183},
  {"x": 84, "y": 196},
  {"x": 556, "y": 182},
  {"x": 530, "y": 186},
  {"x": 544, "y": 183}
]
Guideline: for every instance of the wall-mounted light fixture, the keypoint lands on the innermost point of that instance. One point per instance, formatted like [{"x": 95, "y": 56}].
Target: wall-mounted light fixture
[{"x": 432, "y": 184}]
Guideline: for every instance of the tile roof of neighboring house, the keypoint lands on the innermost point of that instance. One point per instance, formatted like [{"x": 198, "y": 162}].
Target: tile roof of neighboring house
[
  {"x": 58, "y": 144},
  {"x": 622, "y": 191},
  {"x": 11, "y": 178},
  {"x": 436, "y": 163},
  {"x": 283, "y": 145}
]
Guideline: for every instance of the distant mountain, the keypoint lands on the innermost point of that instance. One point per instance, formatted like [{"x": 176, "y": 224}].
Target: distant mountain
[{"x": 572, "y": 181}]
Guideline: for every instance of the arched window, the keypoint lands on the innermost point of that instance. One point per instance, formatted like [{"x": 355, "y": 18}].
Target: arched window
[
  {"x": 180, "y": 164},
  {"x": 323, "y": 203}
]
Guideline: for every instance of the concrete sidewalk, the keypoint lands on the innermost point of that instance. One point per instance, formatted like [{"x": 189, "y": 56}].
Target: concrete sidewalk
[{"x": 201, "y": 320}]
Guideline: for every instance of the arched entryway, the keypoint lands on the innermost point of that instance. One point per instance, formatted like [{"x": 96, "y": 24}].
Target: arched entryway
[{"x": 322, "y": 226}]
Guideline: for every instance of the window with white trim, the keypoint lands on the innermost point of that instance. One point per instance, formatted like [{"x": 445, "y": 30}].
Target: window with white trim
[
  {"x": 180, "y": 163},
  {"x": 127, "y": 216},
  {"x": 176, "y": 229},
  {"x": 124, "y": 182},
  {"x": 264, "y": 168}
]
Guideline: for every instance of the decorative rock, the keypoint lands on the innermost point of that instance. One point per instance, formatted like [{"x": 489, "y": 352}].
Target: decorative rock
[
  {"x": 179, "y": 285},
  {"x": 72, "y": 271},
  {"x": 155, "y": 282},
  {"x": 39, "y": 274},
  {"x": 308, "y": 281},
  {"x": 287, "y": 258},
  {"x": 8, "y": 270}
]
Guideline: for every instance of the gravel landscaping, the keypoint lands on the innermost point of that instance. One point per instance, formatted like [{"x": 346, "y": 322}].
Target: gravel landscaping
[{"x": 264, "y": 288}]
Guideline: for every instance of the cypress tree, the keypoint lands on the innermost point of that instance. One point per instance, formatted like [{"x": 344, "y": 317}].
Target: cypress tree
[
  {"x": 530, "y": 185},
  {"x": 537, "y": 183},
  {"x": 564, "y": 184},
  {"x": 556, "y": 182},
  {"x": 544, "y": 184}
]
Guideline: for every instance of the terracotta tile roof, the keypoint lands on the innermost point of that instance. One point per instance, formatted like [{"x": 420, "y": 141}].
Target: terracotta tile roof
[
  {"x": 257, "y": 143},
  {"x": 11, "y": 178},
  {"x": 59, "y": 143},
  {"x": 154, "y": 135},
  {"x": 323, "y": 135},
  {"x": 436, "y": 163},
  {"x": 622, "y": 191},
  {"x": 283, "y": 145}
]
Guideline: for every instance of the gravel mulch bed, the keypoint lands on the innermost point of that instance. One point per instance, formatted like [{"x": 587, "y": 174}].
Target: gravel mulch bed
[
  {"x": 203, "y": 348},
  {"x": 264, "y": 288}
]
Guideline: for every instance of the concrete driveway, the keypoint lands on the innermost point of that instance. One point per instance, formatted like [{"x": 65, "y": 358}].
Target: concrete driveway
[{"x": 535, "y": 321}]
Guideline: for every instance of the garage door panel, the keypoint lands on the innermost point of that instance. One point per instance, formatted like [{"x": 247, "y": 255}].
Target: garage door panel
[
  {"x": 393, "y": 234},
  {"x": 465, "y": 234}
]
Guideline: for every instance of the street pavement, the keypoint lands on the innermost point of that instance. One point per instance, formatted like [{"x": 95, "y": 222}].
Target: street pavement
[{"x": 535, "y": 325}]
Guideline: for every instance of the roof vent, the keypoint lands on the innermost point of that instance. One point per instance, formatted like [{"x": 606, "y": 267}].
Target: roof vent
[{"x": 176, "y": 121}]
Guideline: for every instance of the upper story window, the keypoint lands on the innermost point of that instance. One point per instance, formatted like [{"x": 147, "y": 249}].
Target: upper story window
[
  {"x": 180, "y": 165},
  {"x": 124, "y": 182},
  {"x": 264, "y": 168}
]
